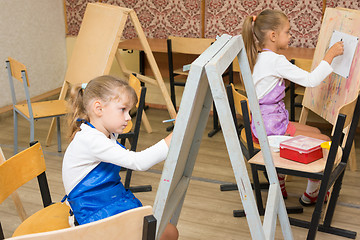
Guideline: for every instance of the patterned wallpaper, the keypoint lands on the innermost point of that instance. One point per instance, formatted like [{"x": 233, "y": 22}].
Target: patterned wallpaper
[
  {"x": 158, "y": 18},
  {"x": 226, "y": 16},
  {"x": 161, "y": 18}
]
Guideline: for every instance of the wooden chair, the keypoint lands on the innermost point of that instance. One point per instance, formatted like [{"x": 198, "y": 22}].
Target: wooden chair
[
  {"x": 134, "y": 224},
  {"x": 31, "y": 111},
  {"x": 20, "y": 169},
  {"x": 330, "y": 171},
  {"x": 132, "y": 131},
  {"x": 296, "y": 90}
]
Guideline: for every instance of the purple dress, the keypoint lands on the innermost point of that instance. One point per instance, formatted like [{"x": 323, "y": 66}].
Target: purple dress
[{"x": 274, "y": 114}]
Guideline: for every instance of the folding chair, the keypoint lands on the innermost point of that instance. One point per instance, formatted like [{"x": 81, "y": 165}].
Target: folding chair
[
  {"x": 134, "y": 224},
  {"x": 20, "y": 169},
  {"x": 31, "y": 111},
  {"x": 133, "y": 135},
  {"x": 330, "y": 171}
]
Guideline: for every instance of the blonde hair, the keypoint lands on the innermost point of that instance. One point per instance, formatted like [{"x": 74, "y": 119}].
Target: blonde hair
[
  {"x": 257, "y": 27},
  {"x": 106, "y": 88}
]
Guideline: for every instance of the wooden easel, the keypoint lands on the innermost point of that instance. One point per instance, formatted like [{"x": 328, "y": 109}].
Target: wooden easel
[
  {"x": 205, "y": 84},
  {"x": 335, "y": 91},
  {"x": 96, "y": 46}
]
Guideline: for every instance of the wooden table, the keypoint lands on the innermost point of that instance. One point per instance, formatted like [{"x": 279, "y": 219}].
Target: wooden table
[{"x": 158, "y": 45}]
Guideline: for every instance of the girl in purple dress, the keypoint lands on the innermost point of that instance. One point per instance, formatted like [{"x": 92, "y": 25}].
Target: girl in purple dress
[{"x": 264, "y": 36}]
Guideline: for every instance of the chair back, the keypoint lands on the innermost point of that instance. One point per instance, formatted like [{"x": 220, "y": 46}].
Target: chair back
[
  {"x": 238, "y": 98},
  {"x": 190, "y": 45},
  {"x": 128, "y": 225},
  {"x": 17, "y": 70},
  {"x": 20, "y": 169},
  {"x": 349, "y": 110},
  {"x": 239, "y": 104},
  {"x": 352, "y": 110},
  {"x": 135, "y": 83}
]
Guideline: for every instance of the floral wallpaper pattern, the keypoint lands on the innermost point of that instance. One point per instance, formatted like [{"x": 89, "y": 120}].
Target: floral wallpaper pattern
[
  {"x": 158, "y": 18},
  {"x": 227, "y": 16},
  {"x": 161, "y": 18}
]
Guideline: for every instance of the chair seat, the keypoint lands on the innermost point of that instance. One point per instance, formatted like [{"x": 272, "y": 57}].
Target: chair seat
[
  {"x": 181, "y": 72},
  {"x": 279, "y": 162},
  {"x": 53, "y": 217},
  {"x": 44, "y": 109}
]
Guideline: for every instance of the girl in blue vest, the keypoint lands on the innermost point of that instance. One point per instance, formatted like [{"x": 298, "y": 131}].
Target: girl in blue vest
[
  {"x": 93, "y": 158},
  {"x": 265, "y": 36}
]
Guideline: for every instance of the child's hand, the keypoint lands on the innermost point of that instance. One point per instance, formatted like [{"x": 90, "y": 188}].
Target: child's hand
[{"x": 336, "y": 50}]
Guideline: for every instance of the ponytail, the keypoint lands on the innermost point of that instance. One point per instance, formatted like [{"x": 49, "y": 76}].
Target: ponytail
[
  {"x": 249, "y": 41},
  {"x": 257, "y": 27},
  {"x": 77, "y": 110}
]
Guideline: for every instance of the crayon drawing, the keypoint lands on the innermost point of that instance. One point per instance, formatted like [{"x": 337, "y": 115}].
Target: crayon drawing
[{"x": 335, "y": 91}]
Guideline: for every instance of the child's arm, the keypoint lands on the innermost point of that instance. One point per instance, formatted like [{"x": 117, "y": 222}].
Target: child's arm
[
  {"x": 168, "y": 139},
  {"x": 336, "y": 50}
]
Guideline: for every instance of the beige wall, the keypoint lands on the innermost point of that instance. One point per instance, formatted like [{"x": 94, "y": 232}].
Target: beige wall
[{"x": 33, "y": 32}]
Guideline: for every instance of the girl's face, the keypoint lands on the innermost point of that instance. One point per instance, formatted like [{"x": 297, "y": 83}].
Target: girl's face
[
  {"x": 283, "y": 36},
  {"x": 115, "y": 115}
]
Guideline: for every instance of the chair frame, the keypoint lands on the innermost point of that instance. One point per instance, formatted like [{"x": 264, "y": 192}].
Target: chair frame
[
  {"x": 16, "y": 111},
  {"x": 133, "y": 137},
  {"x": 43, "y": 186},
  {"x": 249, "y": 150},
  {"x": 331, "y": 176}
]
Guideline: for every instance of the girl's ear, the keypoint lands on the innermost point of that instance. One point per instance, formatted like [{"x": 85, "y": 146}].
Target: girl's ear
[
  {"x": 97, "y": 108},
  {"x": 272, "y": 36}
]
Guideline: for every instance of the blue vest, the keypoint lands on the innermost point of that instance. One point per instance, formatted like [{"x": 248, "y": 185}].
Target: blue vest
[{"x": 100, "y": 194}]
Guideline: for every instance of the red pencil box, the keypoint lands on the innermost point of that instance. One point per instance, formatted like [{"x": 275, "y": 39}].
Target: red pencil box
[{"x": 301, "y": 149}]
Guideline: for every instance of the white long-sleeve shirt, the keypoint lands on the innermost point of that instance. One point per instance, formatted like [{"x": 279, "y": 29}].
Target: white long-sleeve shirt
[
  {"x": 271, "y": 68},
  {"x": 90, "y": 147}
]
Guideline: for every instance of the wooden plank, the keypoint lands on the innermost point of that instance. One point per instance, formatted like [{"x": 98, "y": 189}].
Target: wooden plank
[
  {"x": 272, "y": 207},
  {"x": 191, "y": 121},
  {"x": 214, "y": 70},
  {"x": 95, "y": 47},
  {"x": 15, "y": 196}
]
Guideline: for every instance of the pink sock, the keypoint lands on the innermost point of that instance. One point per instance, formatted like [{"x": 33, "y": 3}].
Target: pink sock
[
  {"x": 312, "y": 188},
  {"x": 281, "y": 178}
]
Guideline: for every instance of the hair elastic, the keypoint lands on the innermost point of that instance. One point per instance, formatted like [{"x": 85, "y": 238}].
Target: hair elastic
[
  {"x": 254, "y": 18},
  {"x": 83, "y": 86}
]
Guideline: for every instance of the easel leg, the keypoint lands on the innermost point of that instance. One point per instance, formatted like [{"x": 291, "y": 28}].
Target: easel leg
[{"x": 62, "y": 96}]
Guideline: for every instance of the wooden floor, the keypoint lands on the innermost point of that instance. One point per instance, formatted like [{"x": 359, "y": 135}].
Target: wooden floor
[{"x": 207, "y": 212}]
